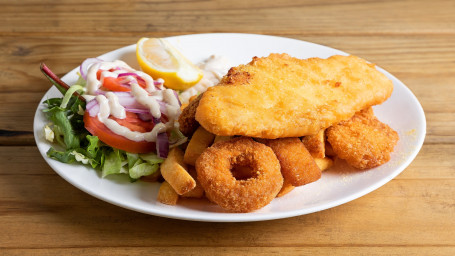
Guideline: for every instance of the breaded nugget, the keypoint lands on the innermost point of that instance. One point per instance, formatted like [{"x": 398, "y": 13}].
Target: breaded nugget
[
  {"x": 363, "y": 141},
  {"x": 281, "y": 96},
  {"x": 297, "y": 165},
  {"x": 187, "y": 122}
]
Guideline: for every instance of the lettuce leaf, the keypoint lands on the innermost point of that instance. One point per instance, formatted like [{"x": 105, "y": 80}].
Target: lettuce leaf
[{"x": 79, "y": 146}]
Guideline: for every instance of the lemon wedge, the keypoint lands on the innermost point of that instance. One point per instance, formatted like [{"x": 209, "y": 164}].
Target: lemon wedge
[{"x": 160, "y": 59}]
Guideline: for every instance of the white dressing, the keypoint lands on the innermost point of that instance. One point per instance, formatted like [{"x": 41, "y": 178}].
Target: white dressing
[
  {"x": 214, "y": 68},
  {"x": 156, "y": 98},
  {"x": 143, "y": 98},
  {"x": 94, "y": 84},
  {"x": 116, "y": 109}
]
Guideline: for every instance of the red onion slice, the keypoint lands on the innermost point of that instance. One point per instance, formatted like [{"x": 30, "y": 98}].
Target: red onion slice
[
  {"x": 138, "y": 77},
  {"x": 86, "y": 64},
  {"x": 93, "y": 108},
  {"x": 178, "y": 99},
  {"x": 162, "y": 145},
  {"x": 138, "y": 111},
  {"x": 145, "y": 116},
  {"x": 163, "y": 107},
  {"x": 125, "y": 99}
]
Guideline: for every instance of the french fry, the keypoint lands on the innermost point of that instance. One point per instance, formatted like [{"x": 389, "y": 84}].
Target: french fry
[
  {"x": 167, "y": 194},
  {"x": 324, "y": 163},
  {"x": 315, "y": 144},
  {"x": 221, "y": 138},
  {"x": 286, "y": 188},
  {"x": 199, "y": 142},
  {"x": 198, "y": 191},
  {"x": 174, "y": 172}
]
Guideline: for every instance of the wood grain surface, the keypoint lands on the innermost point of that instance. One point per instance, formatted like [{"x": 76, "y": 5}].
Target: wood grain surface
[{"x": 41, "y": 214}]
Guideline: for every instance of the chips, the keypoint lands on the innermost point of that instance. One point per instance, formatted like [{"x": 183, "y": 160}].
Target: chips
[
  {"x": 199, "y": 142},
  {"x": 197, "y": 191},
  {"x": 174, "y": 172},
  {"x": 167, "y": 194},
  {"x": 324, "y": 163},
  {"x": 315, "y": 144}
]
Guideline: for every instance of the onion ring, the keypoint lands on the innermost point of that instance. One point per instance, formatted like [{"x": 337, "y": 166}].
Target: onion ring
[{"x": 239, "y": 195}]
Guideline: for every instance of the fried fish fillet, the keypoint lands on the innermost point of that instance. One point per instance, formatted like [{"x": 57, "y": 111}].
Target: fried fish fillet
[
  {"x": 363, "y": 141},
  {"x": 281, "y": 96}
]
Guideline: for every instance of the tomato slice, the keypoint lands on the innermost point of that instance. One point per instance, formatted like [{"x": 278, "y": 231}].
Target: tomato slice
[
  {"x": 134, "y": 123},
  {"x": 115, "y": 84},
  {"x": 95, "y": 127}
]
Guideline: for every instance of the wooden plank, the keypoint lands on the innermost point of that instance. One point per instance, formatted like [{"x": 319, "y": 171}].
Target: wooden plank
[
  {"x": 345, "y": 17},
  {"x": 42, "y": 214},
  {"x": 38, "y": 213},
  {"x": 307, "y": 250},
  {"x": 21, "y": 57},
  {"x": 18, "y": 110},
  {"x": 36, "y": 206}
]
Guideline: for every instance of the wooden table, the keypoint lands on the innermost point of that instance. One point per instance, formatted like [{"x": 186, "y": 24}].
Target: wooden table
[{"x": 41, "y": 214}]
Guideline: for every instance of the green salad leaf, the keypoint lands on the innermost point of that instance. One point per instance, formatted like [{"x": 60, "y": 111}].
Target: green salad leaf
[{"x": 76, "y": 145}]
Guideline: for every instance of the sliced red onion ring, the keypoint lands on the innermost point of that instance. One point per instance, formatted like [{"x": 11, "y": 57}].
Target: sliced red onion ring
[
  {"x": 162, "y": 145},
  {"x": 138, "y": 111},
  {"x": 156, "y": 120},
  {"x": 159, "y": 84},
  {"x": 127, "y": 74},
  {"x": 163, "y": 107},
  {"x": 138, "y": 77},
  {"x": 145, "y": 116},
  {"x": 125, "y": 99},
  {"x": 86, "y": 64},
  {"x": 178, "y": 99},
  {"x": 93, "y": 107}
]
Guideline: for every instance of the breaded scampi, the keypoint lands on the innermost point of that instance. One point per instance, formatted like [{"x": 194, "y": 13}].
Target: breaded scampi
[
  {"x": 363, "y": 141},
  {"x": 187, "y": 122}
]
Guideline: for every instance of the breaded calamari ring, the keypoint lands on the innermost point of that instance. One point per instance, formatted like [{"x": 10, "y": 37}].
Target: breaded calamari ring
[
  {"x": 239, "y": 195},
  {"x": 297, "y": 165}
]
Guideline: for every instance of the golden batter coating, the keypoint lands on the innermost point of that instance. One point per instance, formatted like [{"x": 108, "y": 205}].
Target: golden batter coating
[
  {"x": 281, "y": 96},
  {"x": 363, "y": 141},
  {"x": 242, "y": 194},
  {"x": 297, "y": 165},
  {"x": 187, "y": 122}
]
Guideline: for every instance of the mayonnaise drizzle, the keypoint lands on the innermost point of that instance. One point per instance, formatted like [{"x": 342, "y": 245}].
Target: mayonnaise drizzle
[
  {"x": 143, "y": 98},
  {"x": 156, "y": 100},
  {"x": 94, "y": 84},
  {"x": 116, "y": 109},
  {"x": 105, "y": 112}
]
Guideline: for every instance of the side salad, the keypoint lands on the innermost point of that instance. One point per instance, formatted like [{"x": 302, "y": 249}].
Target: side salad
[{"x": 82, "y": 121}]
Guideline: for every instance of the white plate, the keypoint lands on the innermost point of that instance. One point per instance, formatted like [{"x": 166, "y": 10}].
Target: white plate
[{"x": 339, "y": 185}]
